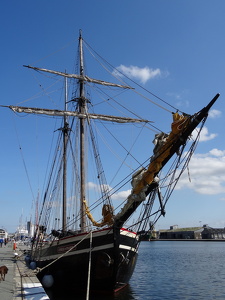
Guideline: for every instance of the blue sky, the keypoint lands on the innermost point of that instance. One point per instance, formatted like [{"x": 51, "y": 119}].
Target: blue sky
[{"x": 175, "y": 48}]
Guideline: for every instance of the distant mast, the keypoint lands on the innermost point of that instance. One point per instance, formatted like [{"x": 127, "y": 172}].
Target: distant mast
[{"x": 82, "y": 110}]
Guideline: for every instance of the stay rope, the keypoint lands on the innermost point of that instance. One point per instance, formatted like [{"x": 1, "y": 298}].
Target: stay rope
[{"x": 94, "y": 53}]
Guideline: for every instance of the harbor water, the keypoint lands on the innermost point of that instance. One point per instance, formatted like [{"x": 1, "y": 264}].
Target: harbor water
[{"x": 173, "y": 270}]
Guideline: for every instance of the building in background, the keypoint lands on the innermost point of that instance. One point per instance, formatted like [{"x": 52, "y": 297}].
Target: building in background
[
  {"x": 194, "y": 233},
  {"x": 213, "y": 233}
]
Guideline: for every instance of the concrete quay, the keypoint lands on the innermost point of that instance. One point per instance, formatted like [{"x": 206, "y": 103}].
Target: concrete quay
[{"x": 21, "y": 282}]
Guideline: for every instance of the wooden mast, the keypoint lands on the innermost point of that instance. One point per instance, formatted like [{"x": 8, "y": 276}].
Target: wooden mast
[
  {"x": 82, "y": 109},
  {"x": 65, "y": 141}
]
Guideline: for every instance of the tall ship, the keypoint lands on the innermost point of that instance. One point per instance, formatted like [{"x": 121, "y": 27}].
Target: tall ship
[{"x": 87, "y": 229}]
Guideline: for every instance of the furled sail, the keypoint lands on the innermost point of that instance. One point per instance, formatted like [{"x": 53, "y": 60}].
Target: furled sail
[
  {"x": 180, "y": 122},
  {"x": 61, "y": 113},
  {"x": 80, "y": 77}
]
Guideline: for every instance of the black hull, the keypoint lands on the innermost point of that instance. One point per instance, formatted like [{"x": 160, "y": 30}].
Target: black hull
[{"x": 113, "y": 259}]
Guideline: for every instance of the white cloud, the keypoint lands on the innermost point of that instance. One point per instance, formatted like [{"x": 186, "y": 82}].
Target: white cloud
[
  {"x": 217, "y": 152},
  {"x": 142, "y": 74},
  {"x": 214, "y": 113},
  {"x": 92, "y": 185},
  {"x": 204, "y": 135},
  {"x": 121, "y": 195},
  {"x": 207, "y": 173}
]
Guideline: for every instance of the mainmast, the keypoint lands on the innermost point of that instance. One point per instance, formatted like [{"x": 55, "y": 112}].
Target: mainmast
[
  {"x": 65, "y": 130},
  {"x": 82, "y": 110}
]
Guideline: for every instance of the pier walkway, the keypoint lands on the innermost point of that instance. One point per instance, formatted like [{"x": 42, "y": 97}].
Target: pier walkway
[{"x": 20, "y": 282}]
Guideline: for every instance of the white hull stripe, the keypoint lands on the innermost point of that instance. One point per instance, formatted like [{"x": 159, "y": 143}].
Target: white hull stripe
[
  {"x": 128, "y": 248},
  {"x": 128, "y": 233}
]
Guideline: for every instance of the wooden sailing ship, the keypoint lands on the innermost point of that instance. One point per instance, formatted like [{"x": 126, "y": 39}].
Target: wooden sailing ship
[{"x": 101, "y": 255}]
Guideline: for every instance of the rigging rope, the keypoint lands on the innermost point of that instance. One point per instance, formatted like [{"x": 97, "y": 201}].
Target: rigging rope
[
  {"x": 92, "y": 51},
  {"x": 24, "y": 163},
  {"x": 89, "y": 269}
]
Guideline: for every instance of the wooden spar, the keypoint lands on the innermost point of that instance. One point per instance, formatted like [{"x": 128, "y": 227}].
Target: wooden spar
[
  {"x": 122, "y": 217},
  {"x": 62, "y": 113},
  {"x": 80, "y": 77}
]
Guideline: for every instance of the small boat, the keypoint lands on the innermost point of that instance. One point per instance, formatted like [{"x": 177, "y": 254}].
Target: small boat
[{"x": 85, "y": 237}]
